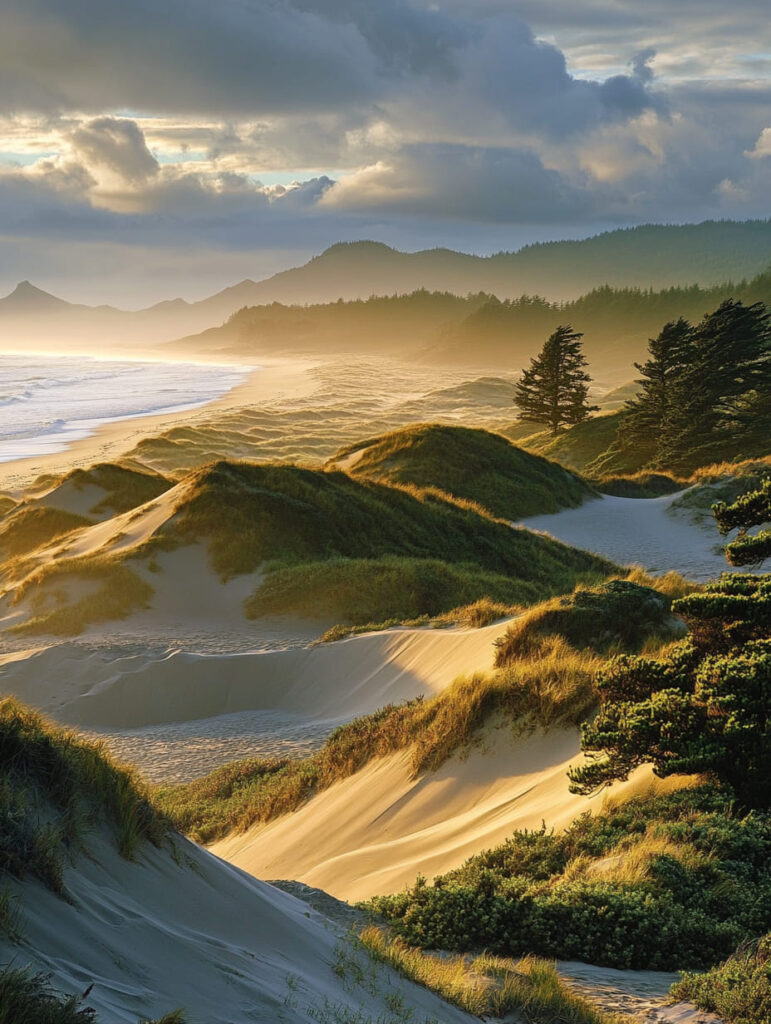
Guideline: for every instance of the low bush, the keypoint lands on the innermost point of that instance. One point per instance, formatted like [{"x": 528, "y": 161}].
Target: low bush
[
  {"x": 618, "y": 614},
  {"x": 657, "y": 882},
  {"x": 739, "y": 990}
]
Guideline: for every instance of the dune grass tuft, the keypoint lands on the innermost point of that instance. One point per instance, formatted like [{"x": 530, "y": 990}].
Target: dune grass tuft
[
  {"x": 33, "y": 526},
  {"x": 557, "y": 688},
  {"x": 56, "y": 784},
  {"x": 125, "y": 486},
  {"x": 27, "y": 998},
  {"x": 465, "y": 463},
  {"x": 476, "y": 615},
  {"x": 643, "y": 484},
  {"x": 60, "y": 607},
  {"x": 488, "y": 986}
]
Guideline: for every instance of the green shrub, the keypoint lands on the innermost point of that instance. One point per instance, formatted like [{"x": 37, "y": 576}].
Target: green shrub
[
  {"x": 618, "y": 614},
  {"x": 739, "y": 990},
  {"x": 657, "y": 882}
]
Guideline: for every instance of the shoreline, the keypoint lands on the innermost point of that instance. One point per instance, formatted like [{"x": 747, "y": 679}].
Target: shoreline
[{"x": 271, "y": 379}]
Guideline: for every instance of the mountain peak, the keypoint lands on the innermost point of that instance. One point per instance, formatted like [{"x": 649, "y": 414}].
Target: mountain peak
[{"x": 28, "y": 296}]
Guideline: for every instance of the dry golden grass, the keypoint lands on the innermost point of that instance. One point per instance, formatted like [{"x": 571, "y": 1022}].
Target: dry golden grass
[
  {"x": 489, "y": 986},
  {"x": 65, "y": 597}
]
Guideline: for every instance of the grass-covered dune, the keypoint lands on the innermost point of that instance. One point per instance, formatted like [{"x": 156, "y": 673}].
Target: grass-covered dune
[
  {"x": 329, "y": 546},
  {"x": 106, "y": 488},
  {"x": 580, "y": 446},
  {"x": 473, "y": 464},
  {"x": 28, "y": 527},
  {"x": 106, "y": 915},
  {"x": 320, "y": 533}
]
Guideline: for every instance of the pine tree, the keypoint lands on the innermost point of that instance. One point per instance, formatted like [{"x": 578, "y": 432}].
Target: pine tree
[
  {"x": 720, "y": 406},
  {"x": 670, "y": 354},
  {"x": 553, "y": 389}
]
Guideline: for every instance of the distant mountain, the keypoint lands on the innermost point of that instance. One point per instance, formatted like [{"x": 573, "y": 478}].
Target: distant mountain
[
  {"x": 653, "y": 256},
  {"x": 477, "y": 330}
]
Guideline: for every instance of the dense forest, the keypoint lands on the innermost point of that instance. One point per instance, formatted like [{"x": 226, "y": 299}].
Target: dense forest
[{"x": 479, "y": 329}]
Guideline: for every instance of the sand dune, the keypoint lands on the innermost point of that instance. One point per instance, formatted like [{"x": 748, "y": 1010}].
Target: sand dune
[
  {"x": 162, "y": 933},
  {"x": 376, "y": 831}
]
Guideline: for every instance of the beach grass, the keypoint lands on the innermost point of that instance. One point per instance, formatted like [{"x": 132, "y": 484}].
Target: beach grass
[
  {"x": 126, "y": 486},
  {"x": 30, "y": 527},
  {"x": 65, "y": 597},
  {"x": 56, "y": 786},
  {"x": 488, "y": 986}
]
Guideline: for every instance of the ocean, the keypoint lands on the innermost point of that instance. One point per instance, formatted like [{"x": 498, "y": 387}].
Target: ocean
[{"x": 47, "y": 402}]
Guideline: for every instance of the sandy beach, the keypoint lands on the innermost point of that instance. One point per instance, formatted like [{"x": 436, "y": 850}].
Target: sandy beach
[{"x": 273, "y": 379}]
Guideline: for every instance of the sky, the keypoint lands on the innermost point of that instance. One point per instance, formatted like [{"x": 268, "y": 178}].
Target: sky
[{"x": 155, "y": 148}]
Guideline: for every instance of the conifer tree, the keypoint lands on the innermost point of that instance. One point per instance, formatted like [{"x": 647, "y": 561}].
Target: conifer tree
[
  {"x": 670, "y": 354},
  {"x": 719, "y": 408},
  {"x": 553, "y": 389}
]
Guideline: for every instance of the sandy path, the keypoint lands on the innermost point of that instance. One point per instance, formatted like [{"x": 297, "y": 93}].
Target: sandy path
[{"x": 639, "y": 531}]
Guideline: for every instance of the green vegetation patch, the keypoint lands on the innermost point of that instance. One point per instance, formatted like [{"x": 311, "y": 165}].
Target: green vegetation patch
[
  {"x": 618, "y": 614},
  {"x": 579, "y": 447},
  {"x": 33, "y": 526},
  {"x": 644, "y": 484},
  {"x": 54, "y": 787},
  {"x": 284, "y": 515},
  {"x": 723, "y": 482},
  {"x": 472, "y": 464},
  {"x": 125, "y": 487},
  {"x": 111, "y": 591},
  {"x": 658, "y": 882},
  {"x": 377, "y": 590},
  {"x": 739, "y": 990},
  {"x": 554, "y": 689}
]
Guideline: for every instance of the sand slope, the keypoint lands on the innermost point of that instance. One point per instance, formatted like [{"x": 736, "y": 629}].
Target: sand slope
[
  {"x": 156, "y": 935},
  {"x": 377, "y": 831},
  {"x": 348, "y": 678},
  {"x": 641, "y": 531}
]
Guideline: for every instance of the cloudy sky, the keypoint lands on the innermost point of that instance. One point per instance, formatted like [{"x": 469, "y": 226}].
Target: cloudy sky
[{"x": 150, "y": 148}]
